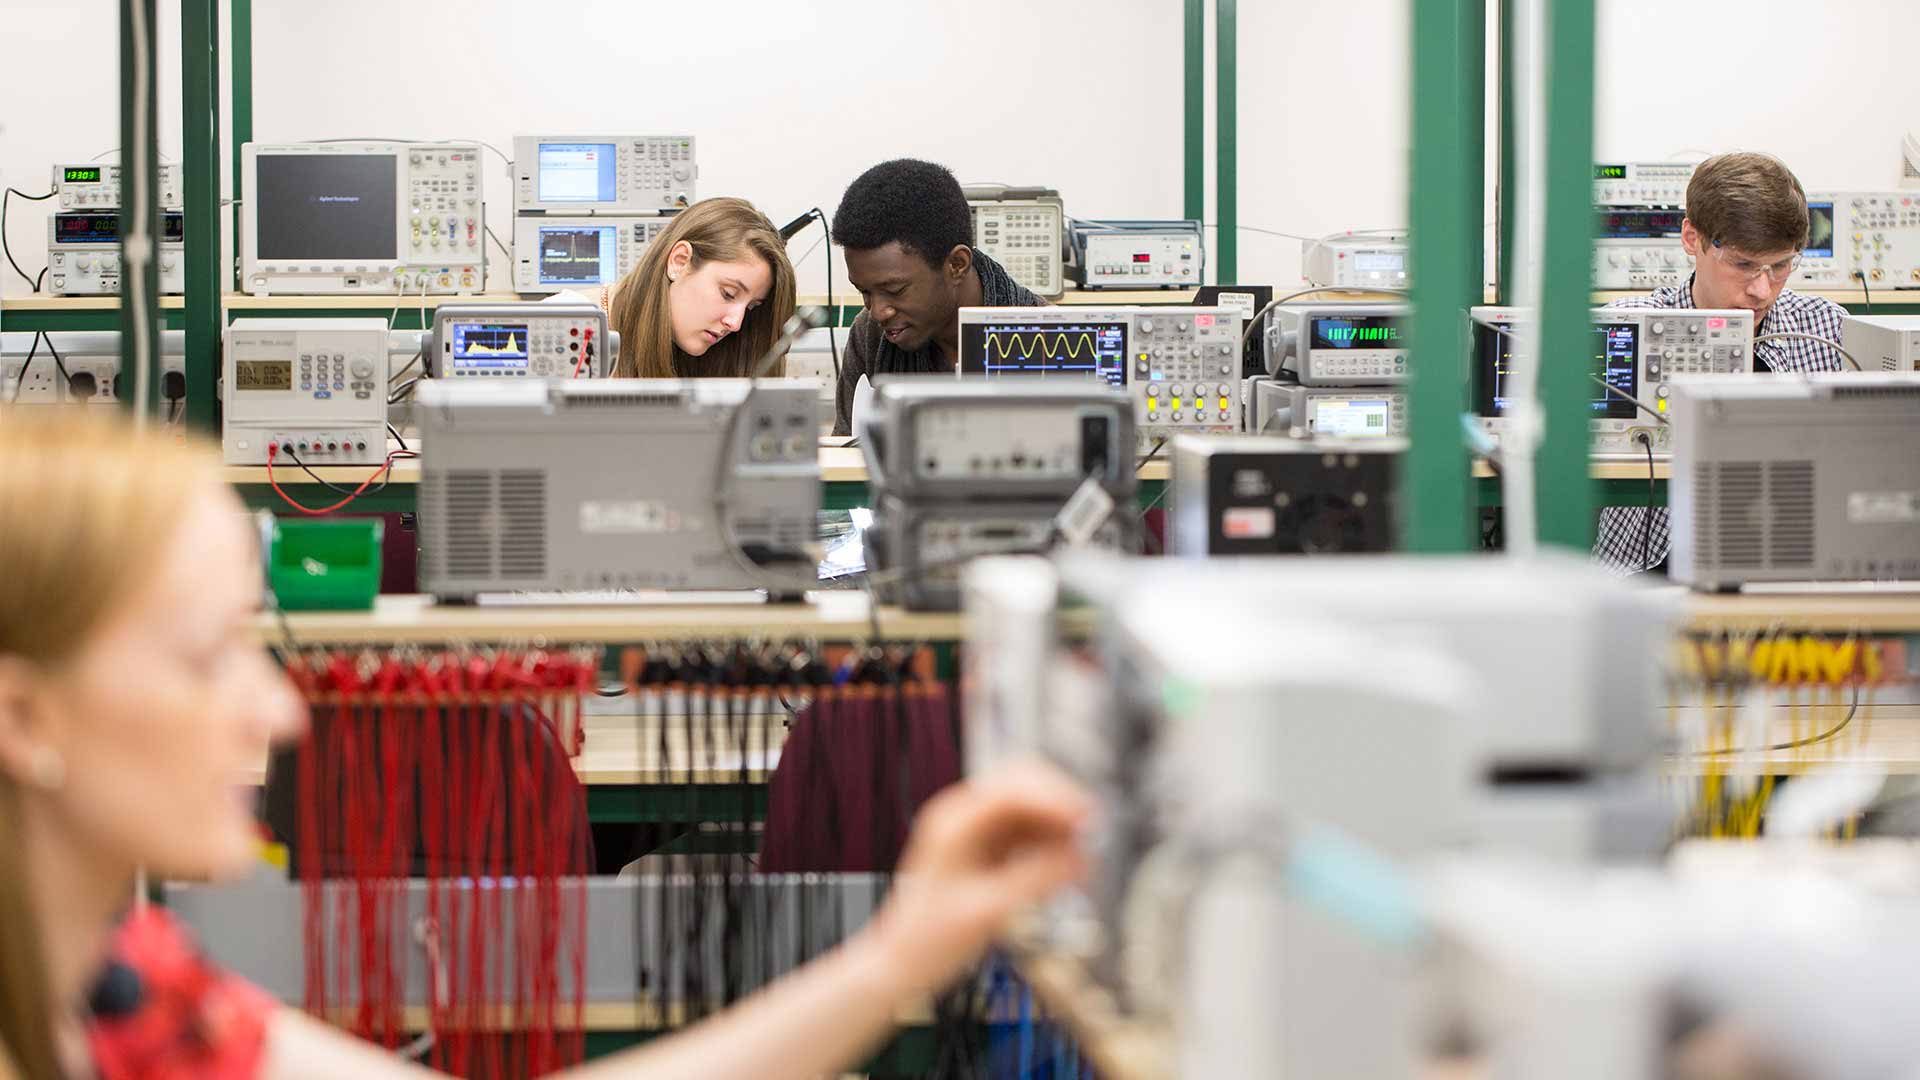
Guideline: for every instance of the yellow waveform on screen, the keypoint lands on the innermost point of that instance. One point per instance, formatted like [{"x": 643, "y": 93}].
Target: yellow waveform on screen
[
  {"x": 1047, "y": 344},
  {"x": 511, "y": 348}
]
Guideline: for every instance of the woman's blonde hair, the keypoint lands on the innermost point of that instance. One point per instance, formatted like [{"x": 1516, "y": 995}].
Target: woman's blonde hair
[
  {"x": 84, "y": 502},
  {"x": 726, "y": 230}
]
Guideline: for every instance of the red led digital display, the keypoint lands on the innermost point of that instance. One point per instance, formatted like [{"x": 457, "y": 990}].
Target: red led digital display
[{"x": 1142, "y": 257}]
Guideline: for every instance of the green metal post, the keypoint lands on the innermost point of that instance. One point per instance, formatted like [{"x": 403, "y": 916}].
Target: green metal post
[
  {"x": 240, "y": 71},
  {"x": 1564, "y": 490},
  {"x": 1505, "y": 195},
  {"x": 1194, "y": 84},
  {"x": 200, "y": 165},
  {"x": 1226, "y": 112},
  {"x": 1449, "y": 65},
  {"x": 139, "y": 154}
]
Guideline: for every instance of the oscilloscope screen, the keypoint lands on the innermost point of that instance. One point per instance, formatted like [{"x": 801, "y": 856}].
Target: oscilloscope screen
[
  {"x": 1616, "y": 358},
  {"x": 1014, "y": 349},
  {"x": 1819, "y": 230},
  {"x": 578, "y": 256},
  {"x": 326, "y": 206},
  {"x": 577, "y": 172},
  {"x": 489, "y": 346}
]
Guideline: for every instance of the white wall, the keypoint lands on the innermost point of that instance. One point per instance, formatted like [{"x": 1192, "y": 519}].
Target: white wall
[
  {"x": 791, "y": 99},
  {"x": 1828, "y": 85},
  {"x": 1323, "y": 133},
  {"x": 74, "y": 44}
]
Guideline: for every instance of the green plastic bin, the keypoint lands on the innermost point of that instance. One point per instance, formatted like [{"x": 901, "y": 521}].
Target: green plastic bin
[{"x": 325, "y": 565}]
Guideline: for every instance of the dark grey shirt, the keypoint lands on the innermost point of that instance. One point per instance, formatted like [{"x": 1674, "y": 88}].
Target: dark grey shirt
[{"x": 869, "y": 353}]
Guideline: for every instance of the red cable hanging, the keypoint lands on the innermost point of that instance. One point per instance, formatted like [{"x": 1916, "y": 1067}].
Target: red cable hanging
[{"x": 456, "y": 764}]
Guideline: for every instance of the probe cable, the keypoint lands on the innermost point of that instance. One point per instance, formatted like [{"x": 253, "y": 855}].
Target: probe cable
[
  {"x": 4, "y": 198},
  {"x": 387, "y": 466},
  {"x": 1792, "y": 744}
]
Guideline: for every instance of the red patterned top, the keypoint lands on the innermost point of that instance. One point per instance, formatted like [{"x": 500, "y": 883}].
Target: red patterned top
[{"x": 163, "y": 1011}]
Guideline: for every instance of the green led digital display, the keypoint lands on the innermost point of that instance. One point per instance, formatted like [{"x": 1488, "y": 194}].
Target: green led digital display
[
  {"x": 1357, "y": 332},
  {"x": 79, "y": 175},
  {"x": 1609, "y": 172}
]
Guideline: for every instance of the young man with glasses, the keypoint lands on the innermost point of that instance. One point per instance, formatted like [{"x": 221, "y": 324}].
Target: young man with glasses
[{"x": 1745, "y": 227}]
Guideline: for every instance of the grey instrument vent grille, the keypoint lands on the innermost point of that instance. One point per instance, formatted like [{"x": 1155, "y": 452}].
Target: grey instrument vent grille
[
  {"x": 1705, "y": 549},
  {"x": 467, "y": 541},
  {"x": 1756, "y": 514},
  {"x": 1790, "y": 492},
  {"x": 1738, "y": 494},
  {"x": 606, "y": 400},
  {"x": 523, "y": 523},
  {"x": 1889, "y": 393}
]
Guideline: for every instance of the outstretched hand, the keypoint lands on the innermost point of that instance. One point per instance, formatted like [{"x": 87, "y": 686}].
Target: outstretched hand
[{"x": 980, "y": 852}]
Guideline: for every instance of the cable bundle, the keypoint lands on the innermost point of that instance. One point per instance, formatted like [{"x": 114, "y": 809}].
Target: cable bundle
[
  {"x": 453, "y": 765},
  {"x": 1022, "y": 1043},
  {"x": 861, "y": 738},
  {"x": 1734, "y": 689}
]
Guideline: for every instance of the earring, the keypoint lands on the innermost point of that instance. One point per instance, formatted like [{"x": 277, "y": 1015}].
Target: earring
[{"x": 48, "y": 768}]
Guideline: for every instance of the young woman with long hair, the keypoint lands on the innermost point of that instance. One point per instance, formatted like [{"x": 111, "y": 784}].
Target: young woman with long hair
[
  {"x": 135, "y": 695},
  {"x": 708, "y": 298}
]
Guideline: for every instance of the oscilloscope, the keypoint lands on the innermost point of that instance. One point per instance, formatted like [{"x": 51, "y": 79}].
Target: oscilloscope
[
  {"x": 1180, "y": 365},
  {"x": 525, "y": 340},
  {"x": 554, "y": 252},
  {"x": 557, "y": 485},
  {"x": 960, "y": 470},
  {"x": 1635, "y": 350},
  {"x": 1807, "y": 477},
  {"x": 1871, "y": 236},
  {"x": 361, "y": 217}
]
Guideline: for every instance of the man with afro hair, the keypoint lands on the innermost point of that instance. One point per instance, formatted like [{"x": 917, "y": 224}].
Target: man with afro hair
[{"x": 908, "y": 236}]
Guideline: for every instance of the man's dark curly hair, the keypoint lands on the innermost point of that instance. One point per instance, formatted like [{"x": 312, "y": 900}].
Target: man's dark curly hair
[{"x": 917, "y": 203}]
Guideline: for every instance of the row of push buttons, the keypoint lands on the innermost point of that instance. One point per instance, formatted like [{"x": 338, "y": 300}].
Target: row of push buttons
[
  {"x": 663, "y": 149},
  {"x": 1346, "y": 365}
]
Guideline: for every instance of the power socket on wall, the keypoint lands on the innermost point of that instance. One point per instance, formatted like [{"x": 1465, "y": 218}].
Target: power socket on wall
[
  {"x": 42, "y": 386},
  {"x": 88, "y": 380}
]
